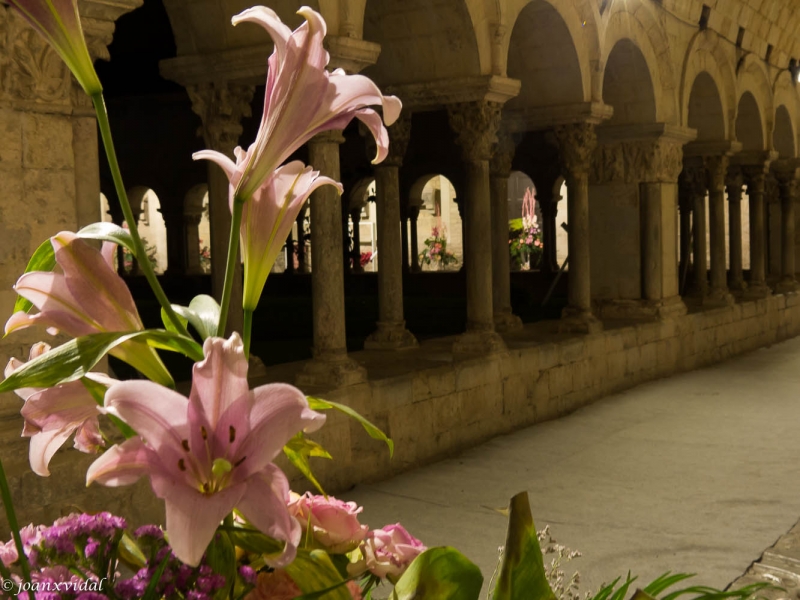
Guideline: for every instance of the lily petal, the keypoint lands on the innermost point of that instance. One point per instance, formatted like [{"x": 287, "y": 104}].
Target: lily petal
[
  {"x": 123, "y": 464},
  {"x": 220, "y": 379}
]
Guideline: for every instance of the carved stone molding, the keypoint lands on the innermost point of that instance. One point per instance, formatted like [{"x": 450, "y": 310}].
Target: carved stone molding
[
  {"x": 503, "y": 154},
  {"x": 734, "y": 181},
  {"x": 221, "y": 109},
  {"x": 576, "y": 143},
  {"x": 475, "y": 125},
  {"x": 691, "y": 183},
  {"x": 755, "y": 178}
]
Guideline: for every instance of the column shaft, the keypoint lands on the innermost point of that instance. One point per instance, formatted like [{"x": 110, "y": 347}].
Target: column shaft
[
  {"x": 735, "y": 235},
  {"x": 415, "y": 268},
  {"x": 686, "y": 241},
  {"x": 716, "y": 209},
  {"x": 757, "y": 286},
  {"x": 580, "y": 294},
  {"x": 699, "y": 258},
  {"x": 478, "y": 247},
  {"x": 788, "y": 282},
  {"x": 501, "y": 267}
]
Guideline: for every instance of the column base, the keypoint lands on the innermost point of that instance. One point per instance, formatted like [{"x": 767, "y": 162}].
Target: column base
[
  {"x": 756, "y": 291},
  {"x": 786, "y": 286},
  {"x": 391, "y": 336},
  {"x": 479, "y": 342},
  {"x": 737, "y": 286},
  {"x": 331, "y": 371},
  {"x": 574, "y": 320},
  {"x": 643, "y": 309},
  {"x": 507, "y": 321},
  {"x": 719, "y": 297}
]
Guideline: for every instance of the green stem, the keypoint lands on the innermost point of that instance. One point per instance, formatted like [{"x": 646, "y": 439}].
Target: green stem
[
  {"x": 230, "y": 268},
  {"x": 113, "y": 164},
  {"x": 13, "y": 524},
  {"x": 247, "y": 331}
]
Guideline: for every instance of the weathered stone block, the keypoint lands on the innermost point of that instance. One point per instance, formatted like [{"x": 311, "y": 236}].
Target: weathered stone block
[
  {"x": 10, "y": 139},
  {"x": 47, "y": 142},
  {"x": 433, "y": 383},
  {"x": 561, "y": 381},
  {"x": 572, "y": 350},
  {"x": 473, "y": 373}
]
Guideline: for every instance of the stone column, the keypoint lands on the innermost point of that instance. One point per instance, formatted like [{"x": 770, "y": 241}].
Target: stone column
[
  {"x": 500, "y": 170},
  {"x": 355, "y": 255},
  {"x": 330, "y": 367},
  {"x": 661, "y": 164},
  {"x": 772, "y": 214},
  {"x": 576, "y": 143},
  {"x": 695, "y": 179},
  {"x": 685, "y": 203},
  {"x": 733, "y": 187},
  {"x": 191, "y": 223},
  {"x": 787, "y": 182},
  {"x": 289, "y": 268},
  {"x": 391, "y": 333},
  {"x": 755, "y": 177},
  {"x": 475, "y": 125},
  {"x": 716, "y": 170},
  {"x": 413, "y": 213},
  {"x": 221, "y": 108},
  {"x": 301, "y": 240},
  {"x": 549, "y": 204}
]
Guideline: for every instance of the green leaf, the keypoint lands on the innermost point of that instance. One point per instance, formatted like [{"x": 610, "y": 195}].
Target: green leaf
[
  {"x": 314, "y": 573},
  {"x": 661, "y": 583},
  {"x": 109, "y": 232},
  {"x": 168, "y": 324},
  {"x": 440, "y": 574},
  {"x": 44, "y": 259},
  {"x": 522, "y": 575},
  {"x": 252, "y": 540},
  {"x": 73, "y": 360},
  {"x": 150, "y": 591},
  {"x": 129, "y": 552},
  {"x": 202, "y": 313},
  {"x": 372, "y": 430},
  {"x": 298, "y": 450},
  {"x": 221, "y": 557}
]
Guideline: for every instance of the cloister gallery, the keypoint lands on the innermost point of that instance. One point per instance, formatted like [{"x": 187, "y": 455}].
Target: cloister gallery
[{"x": 662, "y": 132}]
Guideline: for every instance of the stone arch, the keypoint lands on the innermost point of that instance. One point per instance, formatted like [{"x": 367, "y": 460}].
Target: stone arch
[
  {"x": 546, "y": 54},
  {"x": 358, "y": 196},
  {"x": 705, "y": 111},
  {"x": 434, "y": 195},
  {"x": 783, "y": 137},
  {"x": 422, "y": 40},
  {"x": 751, "y": 76},
  {"x": 578, "y": 20},
  {"x": 705, "y": 55},
  {"x": 785, "y": 96},
  {"x": 641, "y": 28},
  {"x": 628, "y": 85},
  {"x": 749, "y": 123}
]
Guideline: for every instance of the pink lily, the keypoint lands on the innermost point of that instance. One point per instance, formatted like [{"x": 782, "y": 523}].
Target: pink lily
[
  {"x": 58, "y": 22},
  {"x": 52, "y": 415},
  {"x": 211, "y": 452},
  {"x": 268, "y": 217},
  {"x": 303, "y": 99},
  {"x": 87, "y": 297}
]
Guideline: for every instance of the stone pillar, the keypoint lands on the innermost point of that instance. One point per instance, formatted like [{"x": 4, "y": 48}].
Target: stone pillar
[
  {"x": 301, "y": 240},
  {"x": 696, "y": 188},
  {"x": 413, "y": 213},
  {"x": 391, "y": 333},
  {"x": 716, "y": 170},
  {"x": 576, "y": 143},
  {"x": 733, "y": 187},
  {"x": 500, "y": 170},
  {"x": 289, "y": 269},
  {"x": 755, "y": 178},
  {"x": 355, "y": 255},
  {"x": 685, "y": 203},
  {"x": 787, "y": 182},
  {"x": 221, "y": 108},
  {"x": 475, "y": 125},
  {"x": 772, "y": 214},
  {"x": 176, "y": 243},
  {"x": 662, "y": 162},
  {"x": 191, "y": 223},
  {"x": 549, "y": 204},
  {"x": 330, "y": 367}
]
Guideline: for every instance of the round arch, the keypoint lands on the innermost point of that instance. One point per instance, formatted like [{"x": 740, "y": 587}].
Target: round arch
[
  {"x": 749, "y": 123},
  {"x": 705, "y": 111},
  {"x": 751, "y": 76},
  {"x": 785, "y": 96},
  {"x": 783, "y": 137},
  {"x": 628, "y": 85},
  {"x": 705, "y": 55},
  {"x": 642, "y": 29},
  {"x": 439, "y": 222}
]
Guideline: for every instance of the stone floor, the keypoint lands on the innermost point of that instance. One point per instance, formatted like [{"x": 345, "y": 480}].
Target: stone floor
[{"x": 694, "y": 473}]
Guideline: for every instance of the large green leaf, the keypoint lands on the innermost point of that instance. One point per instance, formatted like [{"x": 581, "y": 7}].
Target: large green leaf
[
  {"x": 439, "y": 574},
  {"x": 522, "y": 575},
  {"x": 202, "y": 313},
  {"x": 317, "y": 577},
  {"x": 221, "y": 557},
  {"x": 76, "y": 358},
  {"x": 44, "y": 259},
  {"x": 298, "y": 450},
  {"x": 372, "y": 430},
  {"x": 109, "y": 232}
]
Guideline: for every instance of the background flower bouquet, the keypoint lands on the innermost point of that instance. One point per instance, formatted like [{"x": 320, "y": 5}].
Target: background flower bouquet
[{"x": 525, "y": 236}]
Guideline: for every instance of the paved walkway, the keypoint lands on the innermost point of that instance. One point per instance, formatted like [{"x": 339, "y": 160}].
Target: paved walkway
[{"x": 696, "y": 473}]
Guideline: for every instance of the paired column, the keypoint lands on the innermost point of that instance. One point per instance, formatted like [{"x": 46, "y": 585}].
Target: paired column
[
  {"x": 391, "y": 333},
  {"x": 787, "y": 182},
  {"x": 475, "y": 125},
  {"x": 330, "y": 367},
  {"x": 576, "y": 143},
  {"x": 716, "y": 171},
  {"x": 685, "y": 205},
  {"x": 696, "y": 187},
  {"x": 500, "y": 170},
  {"x": 221, "y": 109},
  {"x": 413, "y": 215},
  {"x": 733, "y": 187},
  {"x": 755, "y": 177}
]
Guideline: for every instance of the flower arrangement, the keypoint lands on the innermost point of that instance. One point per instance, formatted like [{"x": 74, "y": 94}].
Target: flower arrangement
[
  {"x": 525, "y": 237},
  {"x": 205, "y": 257},
  {"x": 436, "y": 252},
  {"x": 234, "y": 529}
]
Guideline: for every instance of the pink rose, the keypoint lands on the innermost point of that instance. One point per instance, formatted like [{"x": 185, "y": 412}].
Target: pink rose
[
  {"x": 334, "y": 523},
  {"x": 276, "y": 585},
  {"x": 389, "y": 551}
]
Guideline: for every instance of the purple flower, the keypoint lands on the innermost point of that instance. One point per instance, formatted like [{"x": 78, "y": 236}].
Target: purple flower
[{"x": 248, "y": 574}]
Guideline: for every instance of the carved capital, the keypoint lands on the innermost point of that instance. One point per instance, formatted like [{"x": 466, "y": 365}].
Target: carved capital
[
  {"x": 607, "y": 164},
  {"x": 692, "y": 183},
  {"x": 475, "y": 125},
  {"x": 755, "y": 178},
  {"x": 221, "y": 109},
  {"x": 503, "y": 154},
  {"x": 716, "y": 171},
  {"x": 332, "y": 136},
  {"x": 655, "y": 161},
  {"x": 733, "y": 183},
  {"x": 576, "y": 143}
]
